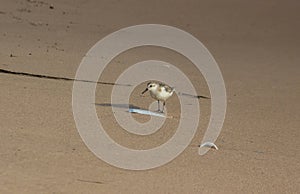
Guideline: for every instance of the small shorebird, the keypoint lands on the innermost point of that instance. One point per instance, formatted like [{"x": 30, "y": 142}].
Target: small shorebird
[{"x": 160, "y": 92}]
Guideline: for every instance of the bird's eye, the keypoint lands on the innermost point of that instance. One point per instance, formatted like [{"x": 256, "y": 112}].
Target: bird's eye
[{"x": 150, "y": 86}]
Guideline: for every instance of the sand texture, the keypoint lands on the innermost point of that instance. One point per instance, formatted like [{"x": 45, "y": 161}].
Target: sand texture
[{"x": 256, "y": 44}]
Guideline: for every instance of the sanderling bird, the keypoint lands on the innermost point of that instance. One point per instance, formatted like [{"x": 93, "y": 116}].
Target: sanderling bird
[{"x": 160, "y": 92}]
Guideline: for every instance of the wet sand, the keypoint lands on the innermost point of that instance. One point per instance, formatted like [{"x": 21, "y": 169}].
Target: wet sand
[{"x": 256, "y": 45}]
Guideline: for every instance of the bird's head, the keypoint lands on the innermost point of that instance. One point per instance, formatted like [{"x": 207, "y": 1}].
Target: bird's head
[{"x": 151, "y": 86}]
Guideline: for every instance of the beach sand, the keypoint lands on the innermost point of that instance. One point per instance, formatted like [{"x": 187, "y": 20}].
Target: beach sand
[{"x": 255, "y": 43}]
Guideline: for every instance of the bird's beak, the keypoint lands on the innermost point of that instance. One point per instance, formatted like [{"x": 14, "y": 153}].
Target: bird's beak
[{"x": 145, "y": 90}]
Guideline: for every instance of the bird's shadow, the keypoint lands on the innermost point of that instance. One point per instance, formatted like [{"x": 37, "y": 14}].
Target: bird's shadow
[{"x": 124, "y": 106}]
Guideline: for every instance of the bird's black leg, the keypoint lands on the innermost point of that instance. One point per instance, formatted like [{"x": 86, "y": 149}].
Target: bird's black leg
[
  {"x": 164, "y": 103},
  {"x": 158, "y": 106}
]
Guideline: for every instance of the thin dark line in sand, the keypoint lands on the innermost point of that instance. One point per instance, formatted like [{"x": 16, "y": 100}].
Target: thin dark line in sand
[
  {"x": 56, "y": 77},
  {"x": 193, "y": 96},
  {"x": 87, "y": 181}
]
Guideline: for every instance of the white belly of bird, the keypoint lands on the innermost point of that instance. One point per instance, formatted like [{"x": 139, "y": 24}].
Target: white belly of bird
[{"x": 163, "y": 95}]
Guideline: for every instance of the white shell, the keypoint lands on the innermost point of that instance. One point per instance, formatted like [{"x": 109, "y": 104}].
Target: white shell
[{"x": 209, "y": 144}]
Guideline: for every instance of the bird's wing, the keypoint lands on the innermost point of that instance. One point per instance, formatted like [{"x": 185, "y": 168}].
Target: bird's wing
[{"x": 168, "y": 88}]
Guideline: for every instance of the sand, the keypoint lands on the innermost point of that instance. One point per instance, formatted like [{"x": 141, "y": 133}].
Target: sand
[{"x": 255, "y": 43}]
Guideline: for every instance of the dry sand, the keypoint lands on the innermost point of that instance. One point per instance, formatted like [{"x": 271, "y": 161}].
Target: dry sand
[{"x": 256, "y": 44}]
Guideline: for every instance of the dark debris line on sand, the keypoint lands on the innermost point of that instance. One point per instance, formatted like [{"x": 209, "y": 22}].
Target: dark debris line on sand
[
  {"x": 87, "y": 181},
  {"x": 55, "y": 78}
]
